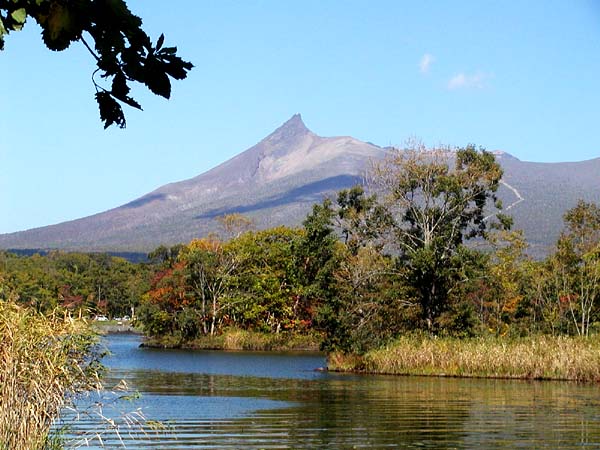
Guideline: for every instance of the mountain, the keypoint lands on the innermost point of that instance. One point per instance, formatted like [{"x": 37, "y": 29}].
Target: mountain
[
  {"x": 541, "y": 193},
  {"x": 277, "y": 181},
  {"x": 274, "y": 182}
]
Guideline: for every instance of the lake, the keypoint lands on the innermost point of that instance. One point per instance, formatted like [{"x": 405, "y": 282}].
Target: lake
[{"x": 257, "y": 400}]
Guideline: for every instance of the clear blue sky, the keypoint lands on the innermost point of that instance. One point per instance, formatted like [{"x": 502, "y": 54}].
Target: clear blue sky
[{"x": 521, "y": 76}]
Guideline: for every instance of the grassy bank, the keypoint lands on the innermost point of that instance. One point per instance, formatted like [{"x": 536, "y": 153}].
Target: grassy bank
[
  {"x": 536, "y": 357},
  {"x": 235, "y": 339}
]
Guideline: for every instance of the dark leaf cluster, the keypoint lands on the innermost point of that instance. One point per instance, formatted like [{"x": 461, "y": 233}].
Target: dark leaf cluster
[{"x": 124, "y": 53}]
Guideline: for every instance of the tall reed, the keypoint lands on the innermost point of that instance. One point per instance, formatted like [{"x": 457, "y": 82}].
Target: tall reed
[
  {"x": 44, "y": 362},
  {"x": 534, "y": 357}
]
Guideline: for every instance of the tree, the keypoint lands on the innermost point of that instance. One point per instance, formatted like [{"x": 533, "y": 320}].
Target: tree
[
  {"x": 264, "y": 295},
  {"x": 507, "y": 278},
  {"x": 375, "y": 304},
  {"x": 361, "y": 219},
  {"x": 165, "y": 256},
  {"x": 577, "y": 264},
  {"x": 436, "y": 209},
  {"x": 314, "y": 253},
  {"x": 315, "y": 260},
  {"x": 235, "y": 224},
  {"x": 168, "y": 296},
  {"x": 208, "y": 266},
  {"x": 122, "y": 50}
]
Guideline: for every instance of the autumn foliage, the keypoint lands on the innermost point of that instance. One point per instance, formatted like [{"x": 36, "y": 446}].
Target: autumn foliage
[{"x": 426, "y": 250}]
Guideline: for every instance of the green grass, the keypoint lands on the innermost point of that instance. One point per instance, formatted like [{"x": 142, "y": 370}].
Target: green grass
[{"x": 535, "y": 357}]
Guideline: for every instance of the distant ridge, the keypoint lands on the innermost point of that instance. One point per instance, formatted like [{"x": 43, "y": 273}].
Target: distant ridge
[{"x": 276, "y": 182}]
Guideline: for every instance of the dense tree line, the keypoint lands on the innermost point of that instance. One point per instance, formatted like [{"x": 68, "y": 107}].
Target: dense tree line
[
  {"x": 92, "y": 283},
  {"x": 427, "y": 250}
]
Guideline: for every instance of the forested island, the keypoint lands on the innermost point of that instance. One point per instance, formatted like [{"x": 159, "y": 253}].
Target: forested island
[{"x": 422, "y": 275}]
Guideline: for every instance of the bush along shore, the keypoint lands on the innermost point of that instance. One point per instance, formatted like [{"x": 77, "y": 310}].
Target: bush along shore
[
  {"x": 531, "y": 358},
  {"x": 236, "y": 339}
]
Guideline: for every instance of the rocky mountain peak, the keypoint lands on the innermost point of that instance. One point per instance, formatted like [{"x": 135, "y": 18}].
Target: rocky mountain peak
[
  {"x": 502, "y": 155},
  {"x": 293, "y": 128}
]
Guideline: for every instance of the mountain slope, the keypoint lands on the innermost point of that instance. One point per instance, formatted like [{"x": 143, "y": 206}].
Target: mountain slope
[
  {"x": 277, "y": 181},
  {"x": 274, "y": 182},
  {"x": 548, "y": 191}
]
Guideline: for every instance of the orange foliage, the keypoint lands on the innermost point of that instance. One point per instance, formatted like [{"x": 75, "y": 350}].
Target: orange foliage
[{"x": 169, "y": 289}]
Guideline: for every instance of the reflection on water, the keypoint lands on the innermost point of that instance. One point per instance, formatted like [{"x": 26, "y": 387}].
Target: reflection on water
[{"x": 264, "y": 400}]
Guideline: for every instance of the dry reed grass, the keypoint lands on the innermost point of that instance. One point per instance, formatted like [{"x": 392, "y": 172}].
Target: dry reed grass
[
  {"x": 237, "y": 339},
  {"x": 535, "y": 357},
  {"x": 248, "y": 340},
  {"x": 44, "y": 361}
]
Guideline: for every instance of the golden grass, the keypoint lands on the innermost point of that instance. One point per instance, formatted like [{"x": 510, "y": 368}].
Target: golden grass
[
  {"x": 43, "y": 360},
  {"x": 249, "y": 340},
  {"x": 236, "y": 339},
  {"x": 535, "y": 357}
]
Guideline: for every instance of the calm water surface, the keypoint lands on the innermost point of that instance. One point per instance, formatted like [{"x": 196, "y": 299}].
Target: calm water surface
[{"x": 251, "y": 400}]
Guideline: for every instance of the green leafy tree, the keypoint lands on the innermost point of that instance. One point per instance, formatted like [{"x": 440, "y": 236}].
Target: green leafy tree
[
  {"x": 90, "y": 283},
  {"x": 316, "y": 259},
  {"x": 576, "y": 265},
  {"x": 165, "y": 256},
  {"x": 366, "y": 304},
  {"x": 550, "y": 295},
  {"x": 315, "y": 251},
  {"x": 508, "y": 279},
  {"x": 264, "y": 294},
  {"x": 361, "y": 219},
  {"x": 124, "y": 53},
  {"x": 34, "y": 280},
  {"x": 438, "y": 199},
  {"x": 375, "y": 304}
]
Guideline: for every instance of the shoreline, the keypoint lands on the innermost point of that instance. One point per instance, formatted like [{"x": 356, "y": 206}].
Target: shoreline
[
  {"x": 465, "y": 376},
  {"x": 559, "y": 358},
  {"x": 534, "y": 358},
  {"x": 115, "y": 329},
  {"x": 239, "y": 340}
]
